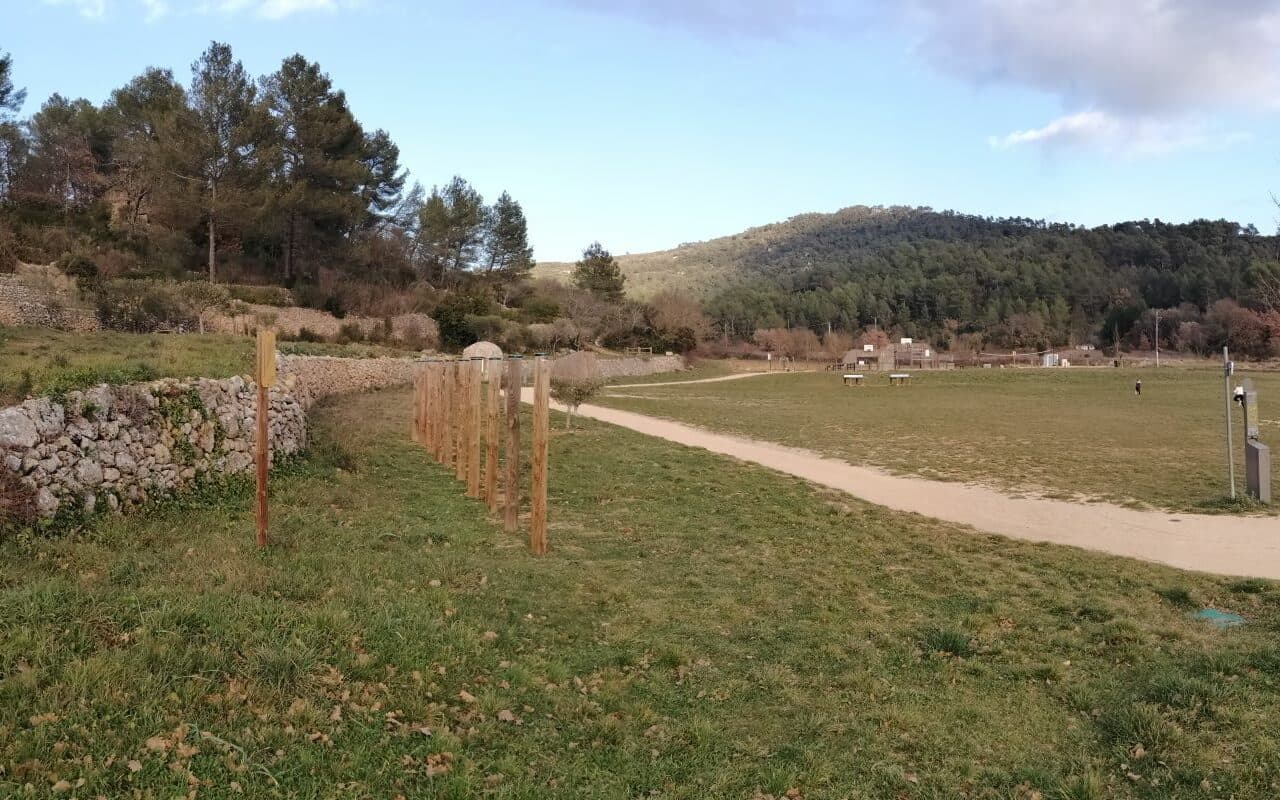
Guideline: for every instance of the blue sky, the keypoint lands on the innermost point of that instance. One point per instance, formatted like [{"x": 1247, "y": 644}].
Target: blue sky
[{"x": 644, "y": 124}]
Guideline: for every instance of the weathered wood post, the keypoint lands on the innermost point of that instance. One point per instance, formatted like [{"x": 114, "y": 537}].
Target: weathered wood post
[
  {"x": 461, "y": 393},
  {"x": 265, "y": 378},
  {"x": 474, "y": 418},
  {"x": 541, "y": 432},
  {"x": 493, "y": 374},
  {"x": 511, "y": 480},
  {"x": 415, "y": 427}
]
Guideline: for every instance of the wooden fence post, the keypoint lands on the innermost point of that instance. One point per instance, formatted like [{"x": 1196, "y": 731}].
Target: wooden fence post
[
  {"x": 460, "y": 393},
  {"x": 266, "y": 378},
  {"x": 511, "y": 480},
  {"x": 415, "y": 427},
  {"x": 424, "y": 435},
  {"x": 493, "y": 372},
  {"x": 437, "y": 380},
  {"x": 475, "y": 399},
  {"x": 541, "y": 431}
]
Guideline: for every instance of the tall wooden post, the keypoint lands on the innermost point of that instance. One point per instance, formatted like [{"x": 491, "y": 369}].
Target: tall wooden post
[
  {"x": 434, "y": 374},
  {"x": 460, "y": 393},
  {"x": 475, "y": 399},
  {"x": 493, "y": 372},
  {"x": 266, "y": 378},
  {"x": 541, "y": 432},
  {"x": 424, "y": 435},
  {"x": 511, "y": 479},
  {"x": 415, "y": 427},
  {"x": 446, "y": 412}
]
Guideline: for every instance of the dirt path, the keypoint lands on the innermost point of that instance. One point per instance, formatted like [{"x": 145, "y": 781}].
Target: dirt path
[
  {"x": 1246, "y": 546},
  {"x": 737, "y": 376}
]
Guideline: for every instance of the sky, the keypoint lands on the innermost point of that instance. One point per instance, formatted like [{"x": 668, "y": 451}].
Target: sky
[{"x": 647, "y": 123}]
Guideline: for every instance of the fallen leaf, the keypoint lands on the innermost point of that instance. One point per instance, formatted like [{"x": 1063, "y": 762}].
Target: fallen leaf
[
  {"x": 912, "y": 777},
  {"x": 62, "y": 786},
  {"x": 42, "y": 719},
  {"x": 506, "y": 716},
  {"x": 135, "y": 765},
  {"x": 489, "y": 636},
  {"x": 466, "y": 697}
]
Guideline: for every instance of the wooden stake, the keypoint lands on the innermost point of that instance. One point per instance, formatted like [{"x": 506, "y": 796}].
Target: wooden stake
[
  {"x": 434, "y": 374},
  {"x": 460, "y": 393},
  {"x": 415, "y": 427},
  {"x": 446, "y": 413},
  {"x": 493, "y": 371},
  {"x": 266, "y": 377},
  {"x": 475, "y": 397},
  {"x": 541, "y": 431},
  {"x": 511, "y": 480}
]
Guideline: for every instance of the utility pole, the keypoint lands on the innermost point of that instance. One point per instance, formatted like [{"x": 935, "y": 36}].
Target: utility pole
[{"x": 1227, "y": 369}]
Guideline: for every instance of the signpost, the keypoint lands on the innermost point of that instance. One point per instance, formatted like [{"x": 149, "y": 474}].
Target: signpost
[{"x": 265, "y": 377}]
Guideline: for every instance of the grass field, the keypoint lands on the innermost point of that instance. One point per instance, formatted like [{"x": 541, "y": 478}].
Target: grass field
[
  {"x": 1070, "y": 432},
  {"x": 699, "y": 370},
  {"x": 42, "y": 361},
  {"x": 701, "y": 629}
]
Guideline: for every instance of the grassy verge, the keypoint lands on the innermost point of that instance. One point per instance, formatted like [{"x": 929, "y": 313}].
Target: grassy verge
[
  {"x": 702, "y": 629},
  {"x": 701, "y": 369},
  {"x": 1071, "y": 432},
  {"x": 42, "y": 361}
]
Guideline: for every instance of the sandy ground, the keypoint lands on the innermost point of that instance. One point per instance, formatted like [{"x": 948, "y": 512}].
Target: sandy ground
[{"x": 1245, "y": 546}]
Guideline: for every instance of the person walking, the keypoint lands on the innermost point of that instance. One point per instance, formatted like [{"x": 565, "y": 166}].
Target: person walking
[{"x": 1137, "y": 387}]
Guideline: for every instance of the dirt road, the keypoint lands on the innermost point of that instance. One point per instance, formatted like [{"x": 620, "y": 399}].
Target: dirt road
[{"x": 1246, "y": 546}]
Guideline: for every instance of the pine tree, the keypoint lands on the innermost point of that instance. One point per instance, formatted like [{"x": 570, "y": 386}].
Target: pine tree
[
  {"x": 451, "y": 230},
  {"x": 507, "y": 240},
  {"x": 599, "y": 273},
  {"x": 319, "y": 168},
  {"x": 225, "y": 137},
  {"x": 145, "y": 116},
  {"x": 384, "y": 187},
  {"x": 12, "y": 145}
]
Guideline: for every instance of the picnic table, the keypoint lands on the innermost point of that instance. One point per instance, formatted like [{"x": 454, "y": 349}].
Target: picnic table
[
  {"x": 853, "y": 378},
  {"x": 899, "y": 378}
]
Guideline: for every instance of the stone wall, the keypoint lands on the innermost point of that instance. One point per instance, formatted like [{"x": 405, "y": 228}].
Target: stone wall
[
  {"x": 418, "y": 329},
  {"x": 629, "y": 367},
  {"x": 123, "y": 445},
  {"x": 29, "y": 297}
]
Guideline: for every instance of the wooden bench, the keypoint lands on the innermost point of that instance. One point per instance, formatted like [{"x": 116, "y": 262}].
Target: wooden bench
[
  {"x": 899, "y": 378},
  {"x": 854, "y": 378}
]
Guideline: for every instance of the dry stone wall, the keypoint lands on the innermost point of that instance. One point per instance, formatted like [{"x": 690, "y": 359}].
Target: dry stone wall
[
  {"x": 22, "y": 303},
  {"x": 629, "y": 367},
  {"x": 124, "y": 445}
]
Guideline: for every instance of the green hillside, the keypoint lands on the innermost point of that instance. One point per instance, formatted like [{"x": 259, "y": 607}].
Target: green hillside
[{"x": 1014, "y": 282}]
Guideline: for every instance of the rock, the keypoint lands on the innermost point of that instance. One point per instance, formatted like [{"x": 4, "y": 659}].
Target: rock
[
  {"x": 111, "y": 474},
  {"x": 17, "y": 430},
  {"x": 46, "y": 503},
  {"x": 90, "y": 502},
  {"x": 113, "y": 502},
  {"x": 88, "y": 472},
  {"x": 161, "y": 453},
  {"x": 13, "y": 463},
  {"x": 51, "y": 464},
  {"x": 125, "y": 462}
]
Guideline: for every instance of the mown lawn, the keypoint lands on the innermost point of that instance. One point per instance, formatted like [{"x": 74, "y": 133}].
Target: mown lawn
[
  {"x": 42, "y": 361},
  {"x": 1068, "y": 432},
  {"x": 701, "y": 629}
]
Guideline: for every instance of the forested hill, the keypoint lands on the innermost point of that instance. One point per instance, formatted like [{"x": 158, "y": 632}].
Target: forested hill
[{"x": 940, "y": 275}]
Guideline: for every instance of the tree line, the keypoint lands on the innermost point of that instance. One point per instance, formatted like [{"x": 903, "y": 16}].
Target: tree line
[
  {"x": 975, "y": 282},
  {"x": 272, "y": 180}
]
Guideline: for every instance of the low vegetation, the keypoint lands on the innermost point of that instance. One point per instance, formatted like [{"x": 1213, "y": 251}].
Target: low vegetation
[
  {"x": 1064, "y": 432},
  {"x": 37, "y": 361},
  {"x": 701, "y": 629}
]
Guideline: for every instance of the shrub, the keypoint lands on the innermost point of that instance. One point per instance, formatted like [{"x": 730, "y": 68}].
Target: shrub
[
  {"x": 8, "y": 250},
  {"x": 261, "y": 295},
  {"x": 575, "y": 379},
  {"x": 17, "y": 502},
  {"x": 82, "y": 268},
  {"x": 305, "y": 334},
  {"x": 139, "y": 306},
  {"x": 350, "y": 332},
  {"x": 452, "y": 317}
]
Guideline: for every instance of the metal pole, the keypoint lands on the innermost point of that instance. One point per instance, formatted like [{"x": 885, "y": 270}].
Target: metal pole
[{"x": 1226, "y": 384}]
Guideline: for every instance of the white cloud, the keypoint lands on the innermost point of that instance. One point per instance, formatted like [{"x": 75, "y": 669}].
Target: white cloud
[
  {"x": 1121, "y": 56},
  {"x": 1121, "y": 135},
  {"x": 156, "y": 9},
  {"x": 91, "y": 9}
]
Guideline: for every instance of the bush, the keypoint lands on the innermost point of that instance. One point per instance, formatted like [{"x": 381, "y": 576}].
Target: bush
[
  {"x": 350, "y": 332},
  {"x": 573, "y": 392},
  {"x": 8, "y": 250},
  {"x": 140, "y": 306},
  {"x": 82, "y": 268},
  {"x": 452, "y": 317},
  {"x": 261, "y": 295}
]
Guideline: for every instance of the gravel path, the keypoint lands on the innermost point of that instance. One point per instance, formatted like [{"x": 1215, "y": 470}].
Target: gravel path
[{"x": 1246, "y": 546}]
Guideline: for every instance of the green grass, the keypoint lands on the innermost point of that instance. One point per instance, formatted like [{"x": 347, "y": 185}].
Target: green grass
[
  {"x": 43, "y": 361},
  {"x": 1066, "y": 433},
  {"x": 698, "y": 371},
  {"x": 701, "y": 629}
]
